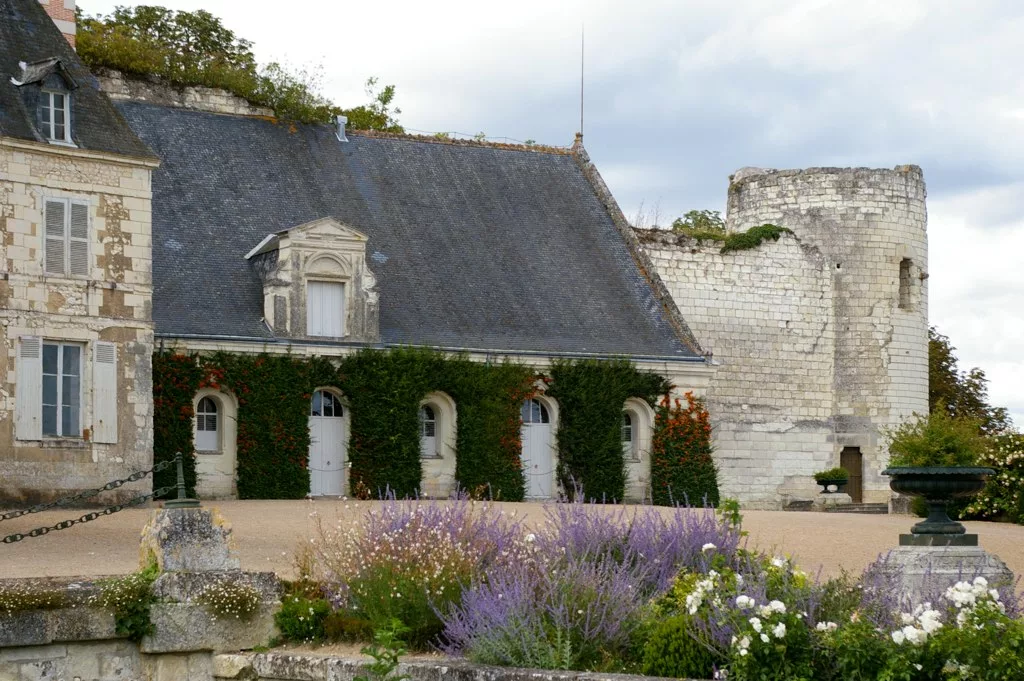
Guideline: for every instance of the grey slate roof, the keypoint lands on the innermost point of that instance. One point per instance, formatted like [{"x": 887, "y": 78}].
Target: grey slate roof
[
  {"x": 473, "y": 247},
  {"x": 27, "y": 34}
]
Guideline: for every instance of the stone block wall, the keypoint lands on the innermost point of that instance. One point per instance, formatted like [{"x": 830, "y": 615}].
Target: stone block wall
[
  {"x": 112, "y": 303},
  {"x": 821, "y": 336},
  {"x": 116, "y": 86}
]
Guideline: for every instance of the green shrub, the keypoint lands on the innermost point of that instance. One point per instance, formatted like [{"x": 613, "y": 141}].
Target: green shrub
[
  {"x": 301, "y": 619},
  {"x": 832, "y": 474},
  {"x": 682, "y": 469},
  {"x": 670, "y": 651},
  {"x": 753, "y": 237},
  {"x": 130, "y": 597},
  {"x": 936, "y": 440},
  {"x": 591, "y": 394}
]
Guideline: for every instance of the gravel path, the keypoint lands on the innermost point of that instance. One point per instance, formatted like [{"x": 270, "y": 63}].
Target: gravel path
[{"x": 266, "y": 534}]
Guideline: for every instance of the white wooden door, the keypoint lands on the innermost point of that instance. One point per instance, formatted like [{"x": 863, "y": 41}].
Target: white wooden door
[
  {"x": 538, "y": 459},
  {"x": 327, "y": 424}
]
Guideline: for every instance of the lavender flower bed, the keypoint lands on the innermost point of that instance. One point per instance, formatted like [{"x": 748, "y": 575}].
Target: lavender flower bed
[{"x": 665, "y": 592}]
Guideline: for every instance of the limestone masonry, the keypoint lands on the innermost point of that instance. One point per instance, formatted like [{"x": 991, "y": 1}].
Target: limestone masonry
[{"x": 821, "y": 337}]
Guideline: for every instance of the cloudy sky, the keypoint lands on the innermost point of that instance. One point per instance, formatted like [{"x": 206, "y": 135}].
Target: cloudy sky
[{"x": 679, "y": 94}]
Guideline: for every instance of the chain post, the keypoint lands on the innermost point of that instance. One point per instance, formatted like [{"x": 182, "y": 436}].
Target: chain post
[{"x": 182, "y": 501}]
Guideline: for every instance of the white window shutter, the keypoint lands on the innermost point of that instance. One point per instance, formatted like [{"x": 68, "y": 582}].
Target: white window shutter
[
  {"x": 78, "y": 240},
  {"x": 104, "y": 393},
  {"x": 54, "y": 237},
  {"x": 28, "y": 395}
]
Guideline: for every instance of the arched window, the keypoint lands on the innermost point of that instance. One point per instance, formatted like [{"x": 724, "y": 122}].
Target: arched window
[
  {"x": 628, "y": 435},
  {"x": 207, "y": 425},
  {"x": 326, "y": 403},
  {"x": 428, "y": 422},
  {"x": 534, "y": 412}
]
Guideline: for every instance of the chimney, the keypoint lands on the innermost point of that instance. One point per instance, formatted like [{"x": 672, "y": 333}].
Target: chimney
[
  {"x": 341, "y": 121},
  {"x": 63, "y": 14}
]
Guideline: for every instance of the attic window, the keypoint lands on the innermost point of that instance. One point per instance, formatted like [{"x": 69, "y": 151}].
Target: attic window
[{"x": 55, "y": 115}]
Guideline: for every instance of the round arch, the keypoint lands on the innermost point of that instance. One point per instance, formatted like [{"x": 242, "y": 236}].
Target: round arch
[
  {"x": 438, "y": 438},
  {"x": 540, "y": 451},
  {"x": 329, "y": 431},
  {"x": 215, "y": 435},
  {"x": 637, "y": 451}
]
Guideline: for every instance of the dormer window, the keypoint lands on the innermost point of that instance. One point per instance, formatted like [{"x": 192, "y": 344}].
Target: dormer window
[{"x": 55, "y": 115}]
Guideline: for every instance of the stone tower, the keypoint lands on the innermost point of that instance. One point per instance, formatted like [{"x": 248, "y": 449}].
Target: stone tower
[{"x": 822, "y": 336}]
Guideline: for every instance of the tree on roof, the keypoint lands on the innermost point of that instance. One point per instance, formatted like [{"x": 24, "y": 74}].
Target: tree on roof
[{"x": 196, "y": 49}]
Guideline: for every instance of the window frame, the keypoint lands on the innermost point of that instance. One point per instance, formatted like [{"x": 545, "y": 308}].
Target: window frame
[
  {"x": 46, "y": 104},
  {"x": 218, "y": 412},
  {"x": 60, "y": 376},
  {"x": 66, "y": 238}
]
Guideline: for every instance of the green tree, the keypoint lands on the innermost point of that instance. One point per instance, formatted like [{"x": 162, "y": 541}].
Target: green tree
[
  {"x": 963, "y": 393},
  {"x": 700, "y": 221},
  {"x": 196, "y": 49}
]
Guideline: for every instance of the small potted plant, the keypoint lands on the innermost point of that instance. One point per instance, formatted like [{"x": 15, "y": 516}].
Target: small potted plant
[
  {"x": 936, "y": 457},
  {"x": 833, "y": 476}
]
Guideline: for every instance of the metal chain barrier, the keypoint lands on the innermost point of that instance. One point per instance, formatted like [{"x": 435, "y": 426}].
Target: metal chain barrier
[
  {"x": 65, "y": 524},
  {"x": 80, "y": 496}
]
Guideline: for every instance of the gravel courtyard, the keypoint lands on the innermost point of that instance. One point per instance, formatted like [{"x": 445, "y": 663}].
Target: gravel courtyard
[{"x": 266, "y": 534}]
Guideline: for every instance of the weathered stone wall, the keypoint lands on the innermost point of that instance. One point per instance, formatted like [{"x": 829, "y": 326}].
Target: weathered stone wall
[
  {"x": 818, "y": 348},
  {"x": 765, "y": 314},
  {"x": 116, "y": 86},
  {"x": 112, "y": 303}
]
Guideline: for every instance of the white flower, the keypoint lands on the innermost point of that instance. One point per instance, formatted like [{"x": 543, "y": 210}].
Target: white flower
[
  {"x": 765, "y": 611},
  {"x": 779, "y": 562},
  {"x": 744, "y": 602},
  {"x": 530, "y": 538},
  {"x": 708, "y": 547},
  {"x": 764, "y": 637},
  {"x": 981, "y": 582},
  {"x": 777, "y": 606},
  {"x": 898, "y": 637},
  {"x": 779, "y": 630},
  {"x": 743, "y": 652},
  {"x": 907, "y": 618},
  {"x": 756, "y": 623},
  {"x": 745, "y": 642},
  {"x": 826, "y": 626}
]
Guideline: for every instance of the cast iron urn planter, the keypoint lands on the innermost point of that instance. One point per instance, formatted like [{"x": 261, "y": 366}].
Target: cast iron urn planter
[
  {"x": 938, "y": 485},
  {"x": 825, "y": 484}
]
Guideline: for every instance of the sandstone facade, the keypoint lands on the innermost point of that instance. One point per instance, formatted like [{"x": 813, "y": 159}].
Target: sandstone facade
[{"x": 111, "y": 303}]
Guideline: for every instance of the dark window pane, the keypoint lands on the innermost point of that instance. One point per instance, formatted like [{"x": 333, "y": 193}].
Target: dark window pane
[
  {"x": 524, "y": 411},
  {"x": 318, "y": 408},
  {"x": 543, "y": 412},
  {"x": 58, "y": 115},
  {"x": 69, "y": 421},
  {"x": 49, "y": 390},
  {"x": 72, "y": 365},
  {"x": 58, "y": 131},
  {"x": 50, "y": 359},
  {"x": 70, "y": 392},
  {"x": 49, "y": 419}
]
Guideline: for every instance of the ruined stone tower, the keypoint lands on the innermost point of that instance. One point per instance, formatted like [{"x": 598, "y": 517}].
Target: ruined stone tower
[{"x": 822, "y": 336}]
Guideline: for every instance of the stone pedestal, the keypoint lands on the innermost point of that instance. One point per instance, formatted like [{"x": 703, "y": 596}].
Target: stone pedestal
[
  {"x": 191, "y": 546},
  {"x": 923, "y": 573},
  {"x": 829, "y": 499}
]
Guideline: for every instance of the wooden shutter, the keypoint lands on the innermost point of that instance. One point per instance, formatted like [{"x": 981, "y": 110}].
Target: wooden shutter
[
  {"x": 78, "y": 240},
  {"x": 28, "y": 390},
  {"x": 314, "y": 317},
  {"x": 54, "y": 237},
  {"x": 104, "y": 393}
]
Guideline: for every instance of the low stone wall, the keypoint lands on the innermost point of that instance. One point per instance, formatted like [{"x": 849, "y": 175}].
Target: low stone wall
[{"x": 259, "y": 666}]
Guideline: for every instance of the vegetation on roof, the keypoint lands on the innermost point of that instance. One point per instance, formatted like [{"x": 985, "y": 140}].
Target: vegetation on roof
[
  {"x": 194, "y": 49},
  {"x": 708, "y": 225}
]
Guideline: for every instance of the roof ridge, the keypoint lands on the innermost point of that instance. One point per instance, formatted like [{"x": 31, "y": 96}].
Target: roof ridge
[{"x": 441, "y": 138}]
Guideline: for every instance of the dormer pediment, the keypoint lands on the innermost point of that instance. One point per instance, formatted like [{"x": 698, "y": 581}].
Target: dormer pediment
[
  {"x": 320, "y": 233},
  {"x": 44, "y": 72}
]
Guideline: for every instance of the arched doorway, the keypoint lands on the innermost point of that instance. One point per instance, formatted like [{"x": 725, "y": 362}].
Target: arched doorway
[
  {"x": 538, "y": 452},
  {"x": 328, "y": 441}
]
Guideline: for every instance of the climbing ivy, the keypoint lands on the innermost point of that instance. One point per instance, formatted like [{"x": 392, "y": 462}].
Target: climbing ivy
[
  {"x": 591, "y": 394},
  {"x": 700, "y": 227},
  {"x": 383, "y": 390},
  {"x": 175, "y": 382},
  {"x": 682, "y": 470}
]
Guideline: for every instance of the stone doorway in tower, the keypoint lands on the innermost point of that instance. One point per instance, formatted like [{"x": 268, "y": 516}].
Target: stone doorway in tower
[{"x": 852, "y": 461}]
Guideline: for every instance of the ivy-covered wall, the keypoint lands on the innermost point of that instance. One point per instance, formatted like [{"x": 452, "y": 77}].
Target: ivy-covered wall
[
  {"x": 383, "y": 390},
  {"x": 590, "y": 395}
]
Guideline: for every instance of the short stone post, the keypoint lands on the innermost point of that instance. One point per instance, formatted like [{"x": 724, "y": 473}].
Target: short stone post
[{"x": 191, "y": 547}]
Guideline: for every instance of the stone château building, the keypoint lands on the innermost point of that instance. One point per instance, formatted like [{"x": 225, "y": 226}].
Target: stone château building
[{"x": 186, "y": 219}]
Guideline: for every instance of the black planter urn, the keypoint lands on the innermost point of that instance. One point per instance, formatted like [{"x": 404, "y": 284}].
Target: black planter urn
[
  {"x": 938, "y": 485},
  {"x": 825, "y": 484}
]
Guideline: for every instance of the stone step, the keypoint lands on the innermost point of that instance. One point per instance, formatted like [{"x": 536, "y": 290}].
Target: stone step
[{"x": 874, "y": 509}]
